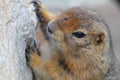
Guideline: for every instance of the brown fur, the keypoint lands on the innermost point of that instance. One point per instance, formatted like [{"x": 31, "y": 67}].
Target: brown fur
[{"x": 74, "y": 58}]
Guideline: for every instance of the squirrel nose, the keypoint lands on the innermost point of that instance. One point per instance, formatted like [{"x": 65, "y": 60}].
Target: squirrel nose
[
  {"x": 49, "y": 30},
  {"x": 51, "y": 26}
]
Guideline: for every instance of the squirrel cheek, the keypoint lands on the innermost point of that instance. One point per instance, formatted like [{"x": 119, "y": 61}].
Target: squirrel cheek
[{"x": 59, "y": 36}]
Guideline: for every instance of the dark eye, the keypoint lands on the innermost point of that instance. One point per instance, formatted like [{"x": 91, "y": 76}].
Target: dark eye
[
  {"x": 78, "y": 34},
  {"x": 65, "y": 18}
]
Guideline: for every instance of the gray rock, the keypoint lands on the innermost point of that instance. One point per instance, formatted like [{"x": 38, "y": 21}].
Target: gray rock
[{"x": 17, "y": 22}]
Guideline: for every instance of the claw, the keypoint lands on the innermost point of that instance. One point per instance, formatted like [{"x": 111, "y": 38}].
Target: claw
[
  {"x": 36, "y": 3},
  {"x": 33, "y": 45},
  {"x": 30, "y": 45},
  {"x": 31, "y": 48},
  {"x": 27, "y": 51},
  {"x": 38, "y": 10}
]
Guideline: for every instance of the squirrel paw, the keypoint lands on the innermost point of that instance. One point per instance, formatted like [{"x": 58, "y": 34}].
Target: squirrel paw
[
  {"x": 39, "y": 10},
  {"x": 32, "y": 52}
]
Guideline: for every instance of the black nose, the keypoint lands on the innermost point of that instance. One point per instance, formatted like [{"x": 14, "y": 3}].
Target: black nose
[{"x": 49, "y": 30}]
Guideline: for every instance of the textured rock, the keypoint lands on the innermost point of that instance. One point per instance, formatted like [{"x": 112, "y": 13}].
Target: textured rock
[{"x": 17, "y": 22}]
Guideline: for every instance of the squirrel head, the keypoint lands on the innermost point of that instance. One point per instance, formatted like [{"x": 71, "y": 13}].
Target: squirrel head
[{"x": 77, "y": 31}]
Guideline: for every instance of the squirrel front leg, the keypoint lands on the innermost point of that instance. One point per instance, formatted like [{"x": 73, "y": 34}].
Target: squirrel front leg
[
  {"x": 34, "y": 61},
  {"x": 33, "y": 54},
  {"x": 43, "y": 16}
]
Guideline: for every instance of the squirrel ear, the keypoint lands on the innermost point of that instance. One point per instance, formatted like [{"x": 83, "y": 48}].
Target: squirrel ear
[{"x": 99, "y": 38}]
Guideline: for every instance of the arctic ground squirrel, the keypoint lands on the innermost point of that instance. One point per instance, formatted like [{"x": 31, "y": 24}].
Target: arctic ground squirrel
[{"x": 80, "y": 45}]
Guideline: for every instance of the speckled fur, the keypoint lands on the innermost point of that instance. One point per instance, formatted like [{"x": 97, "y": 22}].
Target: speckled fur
[{"x": 87, "y": 58}]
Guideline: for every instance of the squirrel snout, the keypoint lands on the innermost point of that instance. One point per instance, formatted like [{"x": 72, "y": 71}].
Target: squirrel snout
[
  {"x": 49, "y": 30},
  {"x": 51, "y": 26}
]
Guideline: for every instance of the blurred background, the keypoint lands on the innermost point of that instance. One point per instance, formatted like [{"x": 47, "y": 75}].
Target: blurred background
[{"x": 108, "y": 9}]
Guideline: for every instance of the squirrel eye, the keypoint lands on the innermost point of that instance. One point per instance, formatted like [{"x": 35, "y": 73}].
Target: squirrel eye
[
  {"x": 78, "y": 34},
  {"x": 65, "y": 18}
]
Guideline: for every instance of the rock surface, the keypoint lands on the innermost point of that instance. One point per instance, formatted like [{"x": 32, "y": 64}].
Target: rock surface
[{"x": 17, "y": 22}]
